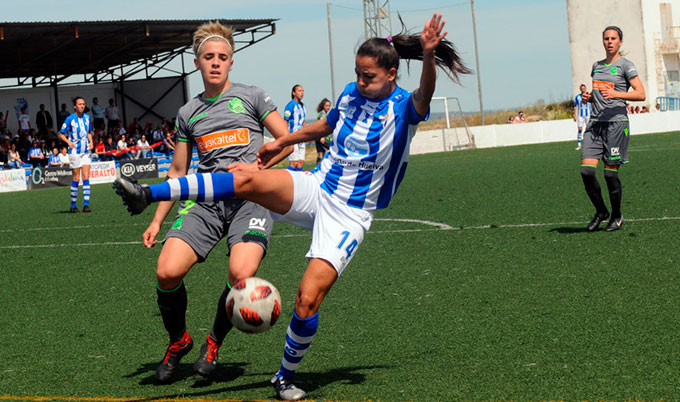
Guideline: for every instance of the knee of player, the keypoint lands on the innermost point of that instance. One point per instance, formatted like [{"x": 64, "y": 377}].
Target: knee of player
[
  {"x": 588, "y": 171},
  {"x": 306, "y": 304},
  {"x": 610, "y": 173},
  {"x": 167, "y": 273}
]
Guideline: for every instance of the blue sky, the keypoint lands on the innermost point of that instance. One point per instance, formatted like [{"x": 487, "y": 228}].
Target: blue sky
[{"x": 523, "y": 59}]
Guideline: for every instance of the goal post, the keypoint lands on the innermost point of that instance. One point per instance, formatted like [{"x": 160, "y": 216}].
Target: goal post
[{"x": 457, "y": 134}]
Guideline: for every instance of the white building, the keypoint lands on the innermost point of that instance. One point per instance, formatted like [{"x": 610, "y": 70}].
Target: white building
[{"x": 651, "y": 40}]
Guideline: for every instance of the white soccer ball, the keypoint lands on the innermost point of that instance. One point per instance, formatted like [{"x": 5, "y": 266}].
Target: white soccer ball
[{"x": 253, "y": 305}]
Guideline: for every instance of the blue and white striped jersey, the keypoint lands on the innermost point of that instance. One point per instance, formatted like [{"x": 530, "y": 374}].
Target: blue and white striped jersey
[
  {"x": 295, "y": 114},
  {"x": 370, "y": 149},
  {"x": 76, "y": 129},
  {"x": 583, "y": 108}
]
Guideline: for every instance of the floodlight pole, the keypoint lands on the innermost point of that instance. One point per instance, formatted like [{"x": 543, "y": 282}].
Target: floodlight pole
[
  {"x": 479, "y": 78},
  {"x": 330, "y": 52}
]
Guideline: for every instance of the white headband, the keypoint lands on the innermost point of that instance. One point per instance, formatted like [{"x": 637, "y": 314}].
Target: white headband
[{"x": 210, "y": 37}]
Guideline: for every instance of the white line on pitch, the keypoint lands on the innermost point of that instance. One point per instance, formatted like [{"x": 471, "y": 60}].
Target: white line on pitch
[{"x": 437, "y": 227}]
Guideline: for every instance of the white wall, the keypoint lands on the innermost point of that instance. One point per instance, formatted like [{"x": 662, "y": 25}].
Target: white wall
[{"x": 534, "y": 133}]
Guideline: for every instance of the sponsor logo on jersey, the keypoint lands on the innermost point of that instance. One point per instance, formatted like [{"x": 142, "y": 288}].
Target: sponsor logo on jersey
[
  {"x": 223, "y": 139},
  {"x": 615, "y": 151},
  {"x": 199, "y": 116},
  {"x": 236, "y": 106},
  {"x": 355, "y": 146},
  {"x": 600, "y": 85},
  {"x": 257, "y": 223}
]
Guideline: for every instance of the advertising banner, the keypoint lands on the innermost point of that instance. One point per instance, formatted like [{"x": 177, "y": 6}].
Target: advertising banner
[
  {"x": 12, "y": 180},
  {"x": 139, "y": 168},
  {"x": 42, "y": 177},
  {"x": 102, "y": 172}
]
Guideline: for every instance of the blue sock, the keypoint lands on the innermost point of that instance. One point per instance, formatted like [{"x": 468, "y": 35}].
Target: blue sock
[
  {"x": 580, "y": 136},
  {"x": 74, "y": 193},
  {"x": 197, "y": 187},
  {"x": 298, "y": 338},
  {"x": 86, "y": 192}
]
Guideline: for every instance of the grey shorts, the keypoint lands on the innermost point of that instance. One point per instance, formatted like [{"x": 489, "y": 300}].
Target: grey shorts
[
  {"x": 607, "y": 141},
  {"x": 203, "y": 224}
]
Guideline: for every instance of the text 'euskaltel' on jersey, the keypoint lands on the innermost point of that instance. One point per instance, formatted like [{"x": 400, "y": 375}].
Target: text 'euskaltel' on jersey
[{"x": 223, "y": 139}]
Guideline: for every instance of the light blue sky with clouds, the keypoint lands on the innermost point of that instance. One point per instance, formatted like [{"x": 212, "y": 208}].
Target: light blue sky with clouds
[{"x": 523, "y": 44}]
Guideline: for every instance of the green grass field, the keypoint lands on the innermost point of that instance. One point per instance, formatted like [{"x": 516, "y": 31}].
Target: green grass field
[{"x": 478, "y": 283}]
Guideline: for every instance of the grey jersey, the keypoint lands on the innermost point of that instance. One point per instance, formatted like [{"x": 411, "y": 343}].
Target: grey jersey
[
  {"x": 227, "y": 129},
  {"x": 615, "y": 76}
]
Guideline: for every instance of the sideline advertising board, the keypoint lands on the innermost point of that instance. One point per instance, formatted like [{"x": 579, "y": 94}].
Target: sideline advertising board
[
  {"x": 139, "y": 168},
  {"x": 102, "y": 172},
  {"x": 12, "y": 180}
]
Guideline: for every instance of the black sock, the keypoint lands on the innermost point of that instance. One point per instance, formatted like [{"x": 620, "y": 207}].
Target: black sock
[
  {"x": 614, "y": 186},
  {"x": 222, "y": 324},
  {"x": 173, "y": 307},
  {"x": 593, "y": 188}
]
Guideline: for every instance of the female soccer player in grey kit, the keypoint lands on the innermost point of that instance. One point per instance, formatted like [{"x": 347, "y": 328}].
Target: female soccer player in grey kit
[
  {"x": 607, "y": 134},
  {"x": 225, "y": 122}
]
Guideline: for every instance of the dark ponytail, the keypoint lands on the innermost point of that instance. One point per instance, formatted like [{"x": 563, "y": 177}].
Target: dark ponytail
[{"x": 388, "y": 51}]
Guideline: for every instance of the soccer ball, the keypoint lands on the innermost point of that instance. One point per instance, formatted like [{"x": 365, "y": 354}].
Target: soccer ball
[{"x": 253, "y": 305}]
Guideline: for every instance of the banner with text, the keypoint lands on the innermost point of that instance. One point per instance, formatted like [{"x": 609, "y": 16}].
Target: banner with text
[
  {"x": 42, "y": 177},
  {"x": 12, "y": 180},
  {"x": 139, "y": 168},
  {"x": 102, "y": 172}
]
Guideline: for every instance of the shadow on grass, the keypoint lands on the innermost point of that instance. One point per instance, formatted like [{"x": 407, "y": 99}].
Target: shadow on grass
[
  {"x": 224, "y": 372},
  {"x": 568, "y": 230}
]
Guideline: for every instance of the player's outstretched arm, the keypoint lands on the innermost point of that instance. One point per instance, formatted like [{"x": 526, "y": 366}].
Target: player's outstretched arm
[
  {"x": 429, "y": 39},
  {"x": 314, "y": 131}
]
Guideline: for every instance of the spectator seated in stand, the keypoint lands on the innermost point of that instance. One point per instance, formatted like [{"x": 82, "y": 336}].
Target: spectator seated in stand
[
  {"x": 54, "y": 160},
  {"x": 35, "y": 155}
]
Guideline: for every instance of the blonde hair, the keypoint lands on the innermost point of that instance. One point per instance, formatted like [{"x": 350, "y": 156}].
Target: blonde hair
[{"x": 212, "y": 31}]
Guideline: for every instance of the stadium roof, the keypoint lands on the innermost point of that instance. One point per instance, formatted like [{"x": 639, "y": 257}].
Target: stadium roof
[{"x": 45, "y": 53}]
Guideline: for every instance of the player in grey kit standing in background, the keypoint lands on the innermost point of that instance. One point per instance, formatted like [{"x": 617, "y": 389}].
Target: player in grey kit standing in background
[
  {"x": 607, "y": 135},
  {"x": 226, "y": 124}
]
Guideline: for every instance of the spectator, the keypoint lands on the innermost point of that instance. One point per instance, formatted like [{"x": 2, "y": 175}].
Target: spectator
[
  {"x": 168, "y": 144},
  {"x": 658, "y": 107},
  {"x": 62, "y": 115},
  {"x": 122, "y": 148},
  {"x": 159, "y": 133},
  {"x": 13, "y": 158},
  {"x": 35, "y": 155},
  {"x": 112, "y": 115},
  {"x": 63, "y": 156},
  {"x": 520, "y": 118},
  {"x": 54, "y": 160},
  {"x": 644, "y": 110},
  {"x": 133, "y": 125},
  {"x": 100, "y": 147},
  {"x": 637, "y": 109},
  {"x": 97, "y": 114},
  {"x": 109, "y": 149},
  {"x": 24, "y": 121},
  {"x": 43, "y": 119},
  {"x": 121, "y": 129},
  {"x": 144, "y": 148},
  {"x": 511, "y": 119}
]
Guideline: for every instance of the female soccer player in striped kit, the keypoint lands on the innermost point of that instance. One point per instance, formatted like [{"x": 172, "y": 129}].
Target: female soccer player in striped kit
[
  {"x": 607, "y": 134},
  {"x": 78, "y": 128},
  {"x": 372, "y": 126}
]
